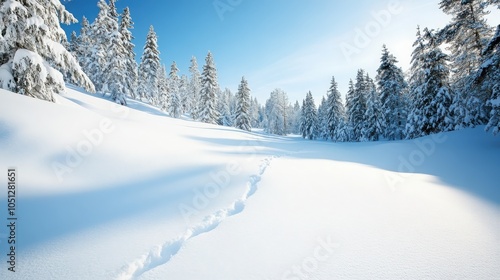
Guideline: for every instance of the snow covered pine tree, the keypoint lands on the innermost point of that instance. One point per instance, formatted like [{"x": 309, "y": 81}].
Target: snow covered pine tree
[
  {"x": 243, "y": 106},
  {"x": 31, "y": 48}
]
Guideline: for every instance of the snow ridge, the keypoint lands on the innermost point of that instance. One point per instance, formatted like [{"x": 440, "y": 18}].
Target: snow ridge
[{"x": 162, "y": 254}]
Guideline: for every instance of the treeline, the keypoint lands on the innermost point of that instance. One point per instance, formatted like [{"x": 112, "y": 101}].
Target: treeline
[
  {"x": 444, "y": 91},
  {"x": 105, "y": 51}
]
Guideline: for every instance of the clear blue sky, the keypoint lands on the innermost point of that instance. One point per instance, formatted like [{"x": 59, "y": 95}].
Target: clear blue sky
[{"x": 296, "y": 45}]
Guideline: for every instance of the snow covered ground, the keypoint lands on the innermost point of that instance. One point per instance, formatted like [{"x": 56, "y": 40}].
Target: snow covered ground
[{"x": 109, "y": 192}]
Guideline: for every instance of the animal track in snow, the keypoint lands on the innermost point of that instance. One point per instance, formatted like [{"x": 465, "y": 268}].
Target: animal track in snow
[{"x": 162, "y": 254}]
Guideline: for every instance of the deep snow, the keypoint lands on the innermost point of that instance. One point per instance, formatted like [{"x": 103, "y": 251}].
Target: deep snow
[{"x": 109, "y": 192}]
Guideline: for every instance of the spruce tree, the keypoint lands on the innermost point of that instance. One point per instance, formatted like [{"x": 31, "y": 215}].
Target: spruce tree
[
  {"x": 224, "y": 108},
  {"x": 208, "y": 94},
  {"x": 334, "y": 111},
  {"x": 173, "y": 89},
  {"x": 467, "y": 35},
  {"x": 184, "y": 94},
  {"x": 374, "y": 116},
  {"x": 115, "y": 74},
  {"x": 487, "y": 79},
  {"x": 83, "y": 48},
  {"x": 392, "y": 87},
  {"x": 356, "y": 105},
  {"x": 149, "y": 69},
  {"x": 243, "y": 106},
  {"x": 163, "y": 94},
  {"x": 32, "y": 50},
  {"x": 309, "y": 118},
  {"x": 276, "y": 115},
  {"x": 322, "y": 123},
  {"x": 100, "y": 33},
  {"x": 431, "y": 101},
  {"x": 126, "y": 24},
  {"x": 194, "y": 89}
]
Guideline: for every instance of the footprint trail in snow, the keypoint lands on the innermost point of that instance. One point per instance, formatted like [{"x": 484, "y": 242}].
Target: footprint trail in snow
[{"x": 161, "y": 255}]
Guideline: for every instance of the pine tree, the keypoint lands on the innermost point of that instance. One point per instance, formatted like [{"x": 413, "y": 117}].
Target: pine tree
[
  {"x": 32, "y": 50},
  {"x": 148, "y": 69},
  {"x": 322, "y": 123},
  {"x": 163, "y": 94},
  {"x": 173, "y": 89},
  {"x": 82, "y": 49},
  {"x": 184, "y": 94},
  {"x": 334, "y": 111},
  {"x": 208, "y": 95},
  {"x": 112, "y": 9},
  {"x": 100, "y": 32},
  {"x": 243, "y": 106},
  {"x": 431, "y": 101},
  {"x": 73, "y": 44},
  {"x": 194, "y": 89},
  {"x": 295, "y": 118},
  {"x": 115, "y": 74},
  {"x": 276, "y": 115},
  {"x": 467, "y": 35},
  {"x": 130, "y": 64},
  {"x": 255, "y": 117},
  {"x": 224, "y": 108},
  {"x": 487, "y": 79},
  {"x": 356, "y": 105},
  {"x": 374, "y": 116},
  {"x": 309, "y": 118},
  {"x": 392, "y": 87}
]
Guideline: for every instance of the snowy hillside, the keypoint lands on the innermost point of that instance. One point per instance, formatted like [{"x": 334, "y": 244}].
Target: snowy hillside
[{"x": 110, "y": 192}]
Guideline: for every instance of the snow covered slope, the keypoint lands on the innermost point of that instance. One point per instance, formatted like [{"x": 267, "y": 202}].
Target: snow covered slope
[{"x": 109, "y": 192}]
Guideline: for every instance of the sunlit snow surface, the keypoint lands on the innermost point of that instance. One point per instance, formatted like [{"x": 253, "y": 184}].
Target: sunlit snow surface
[{"x": 109, "y": 192}]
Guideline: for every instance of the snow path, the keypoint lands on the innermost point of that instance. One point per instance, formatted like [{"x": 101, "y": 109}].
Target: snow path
[{"x": 162, "y": 254}]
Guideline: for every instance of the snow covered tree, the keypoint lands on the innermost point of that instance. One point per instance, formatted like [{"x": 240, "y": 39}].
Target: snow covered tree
[
  {"x": 487, "y": 79},
  {"x": 208, "y": 95},
  {"x": 322, "y": 123},
  {"x": 334, "y": 111},
  {"x": 309, "y": 118},
  {"x": 255, "y": 116},
  {"x": 374, "y": 117},
  {"x": 243, "y": 106},
  {"x": 392, "y": 87},
  {"x": 163, "y": 95},
  {"x": 149, "y": 67},
  {"x": 430, "y": 112},
  {"x": 295, "y": 118},
  {"x": 130, "y": 64},
  {"x": 184, "y": 94},
  {"x": 73, "y": 44},
  {"x": 115, "y": 74},
  {"x": 224, "y": 108},
  {"x": 276, "y": 112},
  {"x": 467, "y": 35},
  {"x": 356, "y": 105},
  {"x": 194, "y": 89},
  {"x": 173, "y": 89},
  {"x": 100, "y": 32},
  {"x": 32, "y": 48},
  {"x": 83, "y": 47}
]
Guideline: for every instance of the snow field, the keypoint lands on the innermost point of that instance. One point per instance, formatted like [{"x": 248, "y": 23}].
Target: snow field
[{"x": 150, "y": 197}]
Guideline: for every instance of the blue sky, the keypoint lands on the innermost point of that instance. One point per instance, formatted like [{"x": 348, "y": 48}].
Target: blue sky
[{"x": 289, "y": 44}]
